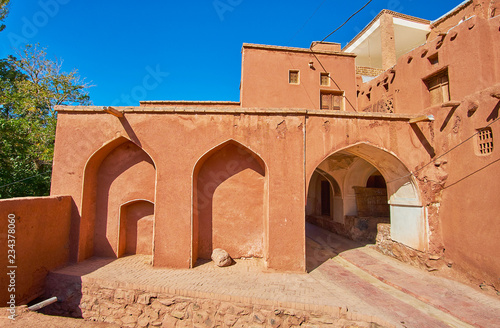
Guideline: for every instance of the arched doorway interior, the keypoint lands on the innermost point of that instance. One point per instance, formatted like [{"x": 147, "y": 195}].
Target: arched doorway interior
[{"x": 376, "y": 188}]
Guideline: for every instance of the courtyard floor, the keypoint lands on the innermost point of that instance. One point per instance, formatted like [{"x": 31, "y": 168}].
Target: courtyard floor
[{"x": 342, "y": 273}]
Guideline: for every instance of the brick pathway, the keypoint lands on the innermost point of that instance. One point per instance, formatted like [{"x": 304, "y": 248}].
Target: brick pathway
[{"x": 359, "y": 280}]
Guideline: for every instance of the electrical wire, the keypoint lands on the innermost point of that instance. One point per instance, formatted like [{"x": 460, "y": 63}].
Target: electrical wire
[
  {"x": 446, "y": 152},
  {"x": 338, "y": 28},
  {"x": 331, "y": 78},
  {"x": 321, "y": 64},
  {"x": 34, "y": 176}
]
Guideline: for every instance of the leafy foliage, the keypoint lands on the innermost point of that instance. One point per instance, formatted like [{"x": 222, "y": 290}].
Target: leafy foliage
[
  {"x": 30, "y": 87},
  {"x": 4, "y": 11}
]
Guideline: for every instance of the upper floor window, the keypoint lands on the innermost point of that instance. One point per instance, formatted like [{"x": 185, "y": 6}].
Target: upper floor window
[
  {"x": 439, "y": 88},
  {"x": 332, "y": 100},
  {"x": 485, "y": 141},
  {"x": 325, "y": 79},
  {"x": 293, "y": 77}
]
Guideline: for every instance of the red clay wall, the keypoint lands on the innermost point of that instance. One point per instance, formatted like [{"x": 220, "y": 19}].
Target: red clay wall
[
  {"x": 264, "y": 81},
  {"x": 138, "y": 218},
  {"x": 41, "y": 237},
  {"x": 470, "y": 52},
  {"x": 230, "y": 203},
  {"x": 176, "y": 142},
  {"x": 462, "y": 184},
  {"x": 126, "y": 174}
]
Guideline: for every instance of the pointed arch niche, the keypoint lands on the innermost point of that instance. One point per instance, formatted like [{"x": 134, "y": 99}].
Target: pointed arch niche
[
  {"x": 363, "y": 164},
  {"x": 119, "y": 182},
  {"x": 229, "y": 203}
]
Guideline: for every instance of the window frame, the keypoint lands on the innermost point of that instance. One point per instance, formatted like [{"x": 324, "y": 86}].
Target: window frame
[
  {"x": 324, "y": 74},
  {"x": 484, "y": 141},
  {"x": 435, "y": 82},
  {"x": 290, "y": 72},
  {"x": 335, "y": 93}
]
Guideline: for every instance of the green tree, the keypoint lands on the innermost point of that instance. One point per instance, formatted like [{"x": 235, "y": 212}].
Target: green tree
[
  {"x": 30, "y": 86},
  {"x": 4, "y": 11}
]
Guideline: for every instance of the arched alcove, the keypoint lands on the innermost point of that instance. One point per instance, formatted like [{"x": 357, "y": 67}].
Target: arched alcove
[
  {"x": 136, "y": 228},
  {"x": 117, "y": 173},
  {"x": 229, "y": 202}
]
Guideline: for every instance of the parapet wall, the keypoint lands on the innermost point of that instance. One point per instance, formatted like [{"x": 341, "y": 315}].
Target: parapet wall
[{"x": 34, "y": 239}]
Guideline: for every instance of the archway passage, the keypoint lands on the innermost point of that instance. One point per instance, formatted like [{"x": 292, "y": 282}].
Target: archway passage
[
  {"x": 229, "y": 205},
  {"x": 376, "y": 191},
  {"x": 324, "y": 200},
  {"x": 118, "y": 173}
]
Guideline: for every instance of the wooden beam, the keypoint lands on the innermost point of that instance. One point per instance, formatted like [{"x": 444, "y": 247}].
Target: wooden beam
[
  {"x": 422, "y": 118},
  {"x": 451, "y": 104},
  {"x": 113, "y": 111}
]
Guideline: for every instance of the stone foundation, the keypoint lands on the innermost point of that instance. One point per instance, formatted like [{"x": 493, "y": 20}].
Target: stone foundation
[
  {"x": 387, "y": 246},
  {"x": 136, "y": 306}
]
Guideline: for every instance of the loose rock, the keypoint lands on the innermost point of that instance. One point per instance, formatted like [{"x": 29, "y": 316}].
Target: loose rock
[{"x": 221, "y": 258}]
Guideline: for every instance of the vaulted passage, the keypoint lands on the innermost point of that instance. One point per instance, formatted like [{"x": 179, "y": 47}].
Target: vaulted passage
[
  {"x": 360, "y": 189},
  {"x": 229, "y": 188}
]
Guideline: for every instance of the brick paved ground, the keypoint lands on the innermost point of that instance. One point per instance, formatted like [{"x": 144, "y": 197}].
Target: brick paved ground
[{"x": 342, "y": 274}]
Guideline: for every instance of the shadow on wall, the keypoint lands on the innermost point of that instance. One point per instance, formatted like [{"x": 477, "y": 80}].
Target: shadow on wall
[
  {"x": 118, "y": 173},
  {"x": 229, "y": 187}
]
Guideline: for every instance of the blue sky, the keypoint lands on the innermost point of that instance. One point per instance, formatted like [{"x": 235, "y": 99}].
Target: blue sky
[{"x": 181, "y": 50}]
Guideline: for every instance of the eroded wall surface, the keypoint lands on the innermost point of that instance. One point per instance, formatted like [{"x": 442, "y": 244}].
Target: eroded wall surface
[{"x": 459, "y": 182}]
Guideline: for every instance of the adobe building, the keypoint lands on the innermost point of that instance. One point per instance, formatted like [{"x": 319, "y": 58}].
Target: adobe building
[{"x": 391, "y": 137}]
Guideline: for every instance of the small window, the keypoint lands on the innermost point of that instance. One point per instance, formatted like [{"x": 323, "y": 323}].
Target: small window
[
  {"x": 293, "y": 77},
  {"x": 332, "y": 100},
  {"x": 439, "y": 89},
  {"x": 485, "y": 141},
  {"x": 325, "y": 79}
]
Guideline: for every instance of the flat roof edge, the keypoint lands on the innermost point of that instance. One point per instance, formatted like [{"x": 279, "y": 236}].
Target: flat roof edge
[
  {"x": 187, "y": 102},
  {"x": 254, "y": 111},
  {"x": 294, "y": 49}
]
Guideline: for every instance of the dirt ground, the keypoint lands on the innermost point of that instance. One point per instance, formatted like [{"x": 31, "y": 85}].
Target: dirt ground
[{"x": 29, "y": 319}]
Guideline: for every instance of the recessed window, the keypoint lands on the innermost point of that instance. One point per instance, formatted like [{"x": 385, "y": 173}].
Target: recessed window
[
  {"x": 485, "y": 141},
  {"x": 439, "y": 89},
  {"x": 332, "y": 100},
  {"x": 325, "y": 79},
  {"x": 293, "y": 77}
]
